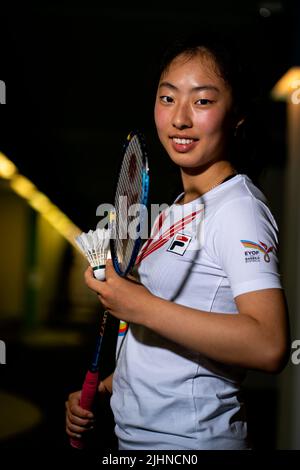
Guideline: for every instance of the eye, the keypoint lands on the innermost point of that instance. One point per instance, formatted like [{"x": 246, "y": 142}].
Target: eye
[
  {"x": 166, "y": 99},
  {"x": 204, "y": 101}
]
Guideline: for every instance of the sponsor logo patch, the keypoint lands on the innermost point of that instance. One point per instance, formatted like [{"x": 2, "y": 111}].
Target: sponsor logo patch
[
  {"x": 254, "y": 251},
  {"x": 180, "y": 244}
]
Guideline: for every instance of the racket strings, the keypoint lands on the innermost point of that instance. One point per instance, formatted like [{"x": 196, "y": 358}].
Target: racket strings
[
  {"x": 129, "y": 191},
  {"x": 126, "y": 195}
]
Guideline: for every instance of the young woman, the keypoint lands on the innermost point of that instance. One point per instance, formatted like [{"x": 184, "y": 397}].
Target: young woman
[{"x": 203, "y": 312}]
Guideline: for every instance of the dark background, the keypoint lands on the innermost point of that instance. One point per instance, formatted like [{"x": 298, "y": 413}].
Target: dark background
[{"x": 78, "y": 78}]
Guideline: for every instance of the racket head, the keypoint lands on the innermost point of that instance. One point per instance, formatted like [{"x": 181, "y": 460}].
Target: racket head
[{"x": 131, "y": 198}]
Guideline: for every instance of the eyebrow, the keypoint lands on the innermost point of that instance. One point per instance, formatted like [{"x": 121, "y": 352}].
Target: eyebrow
[{"x": 196, "y": 88}]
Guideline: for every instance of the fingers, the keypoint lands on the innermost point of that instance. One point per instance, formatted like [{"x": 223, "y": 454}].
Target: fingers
[
  {"x": 92, "y": 282},
  {"x": 78, "y": 420},
  {"x": 77, "y": 427},
  {"x": 74, "y": 429},
  {"x": 104, "y": 289},
  {"x": 100, "y": 287}
]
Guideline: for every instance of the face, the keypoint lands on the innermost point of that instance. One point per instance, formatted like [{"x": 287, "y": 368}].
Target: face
[{"x": 193, "y": 112}]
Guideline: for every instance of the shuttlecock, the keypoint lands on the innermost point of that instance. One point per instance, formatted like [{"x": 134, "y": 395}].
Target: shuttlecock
[{"x": 95, "y": 247}]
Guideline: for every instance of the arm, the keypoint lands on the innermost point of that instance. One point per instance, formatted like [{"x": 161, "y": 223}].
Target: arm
[
  {"x": 105, "y": 385},
  {"x": 257, "y": 337}
]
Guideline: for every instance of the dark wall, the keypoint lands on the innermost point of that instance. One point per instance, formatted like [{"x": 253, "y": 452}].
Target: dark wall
[{"x": 80, "y": 77}]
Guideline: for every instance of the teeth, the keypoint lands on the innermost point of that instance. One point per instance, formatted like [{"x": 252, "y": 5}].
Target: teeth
[{"x": 182, "y": 141}]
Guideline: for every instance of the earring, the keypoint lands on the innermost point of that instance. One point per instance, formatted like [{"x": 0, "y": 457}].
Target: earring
[{"x": 237, "y": 126}]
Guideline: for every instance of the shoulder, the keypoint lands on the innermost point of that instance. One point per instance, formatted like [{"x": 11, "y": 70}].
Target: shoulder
[
  {"x": 241, "y": 201},
  {"x": 243, "y": 239},
  {"x": 239, "y": 187}
]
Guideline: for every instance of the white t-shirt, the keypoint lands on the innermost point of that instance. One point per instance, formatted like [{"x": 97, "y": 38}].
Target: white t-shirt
[{"x": 168, "y": 397}]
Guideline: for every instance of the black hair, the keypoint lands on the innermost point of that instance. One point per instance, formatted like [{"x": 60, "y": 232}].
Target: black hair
[{"x": 236, "y": 67}]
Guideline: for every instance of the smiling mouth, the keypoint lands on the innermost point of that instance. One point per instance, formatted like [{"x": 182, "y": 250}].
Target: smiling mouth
[{"x": 183, "y": 141}]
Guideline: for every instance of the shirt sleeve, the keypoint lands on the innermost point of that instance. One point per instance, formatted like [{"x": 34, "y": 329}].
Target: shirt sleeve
[{"x": 246, "y": 245}]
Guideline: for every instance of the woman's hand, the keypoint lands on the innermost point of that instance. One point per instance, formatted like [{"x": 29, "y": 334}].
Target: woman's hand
[
  {"x": 123, "y": 298},
  {"x": 78, "y": 420}
]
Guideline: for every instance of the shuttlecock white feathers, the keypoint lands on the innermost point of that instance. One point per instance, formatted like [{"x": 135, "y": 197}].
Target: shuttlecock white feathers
[{"x": 95, "y": 247}]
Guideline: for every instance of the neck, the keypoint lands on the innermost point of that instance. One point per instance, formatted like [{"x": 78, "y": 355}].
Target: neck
[{"x": 197, "y": 182}]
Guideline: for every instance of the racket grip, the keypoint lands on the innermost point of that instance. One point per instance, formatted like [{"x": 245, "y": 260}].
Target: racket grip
[{"x": 88, "y": 393}]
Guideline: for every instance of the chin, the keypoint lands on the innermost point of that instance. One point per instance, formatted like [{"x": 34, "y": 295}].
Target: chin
[{"x": 187, "y": 163}]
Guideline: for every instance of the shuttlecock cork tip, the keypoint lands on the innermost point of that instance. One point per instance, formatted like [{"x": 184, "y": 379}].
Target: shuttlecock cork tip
[{"x": 99, "y": 273}]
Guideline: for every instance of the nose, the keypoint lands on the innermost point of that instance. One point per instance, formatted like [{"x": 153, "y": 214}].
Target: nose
[{"x": 182, "y": 117}]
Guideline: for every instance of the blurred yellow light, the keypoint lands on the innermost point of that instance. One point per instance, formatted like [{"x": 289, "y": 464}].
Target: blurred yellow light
[
  {"x": 62, "y": 224},
  {"x": 54, "y": 216},
  {"x": 23, "y": 186},
  {"x": 7, "y": 168},
  {"x": 288, "y": 87},
  {"x": 38, "y": 201}
]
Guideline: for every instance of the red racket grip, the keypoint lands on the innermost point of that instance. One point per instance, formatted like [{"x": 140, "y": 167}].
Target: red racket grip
[{"x": 88, "y": 393}]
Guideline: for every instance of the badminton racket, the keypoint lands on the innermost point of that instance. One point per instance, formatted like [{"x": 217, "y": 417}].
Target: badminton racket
[{"x": 127, "y": 224}]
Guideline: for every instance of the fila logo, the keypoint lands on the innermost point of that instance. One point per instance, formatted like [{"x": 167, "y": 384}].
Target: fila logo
[{"x": 179, "y": 244}]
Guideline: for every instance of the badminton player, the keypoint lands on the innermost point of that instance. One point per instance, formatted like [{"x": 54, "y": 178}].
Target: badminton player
[{"x": 202, "y": 314}]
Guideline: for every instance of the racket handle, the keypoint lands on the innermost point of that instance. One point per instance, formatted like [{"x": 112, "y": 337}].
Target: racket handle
[{"x": 88, "y": 393}]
